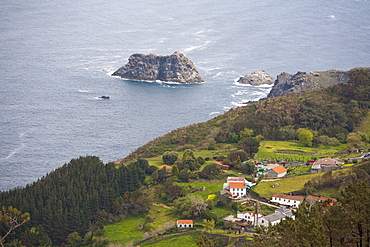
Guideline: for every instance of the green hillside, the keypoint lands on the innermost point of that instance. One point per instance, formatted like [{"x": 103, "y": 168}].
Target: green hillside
[
  {"x": 332, "y": 112},
  {"x": 89, "y": 203}
]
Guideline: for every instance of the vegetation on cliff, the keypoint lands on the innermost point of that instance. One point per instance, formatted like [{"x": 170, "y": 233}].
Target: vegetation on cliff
[
  {"x": 71, "y": 204},
  {"x": 332, "y": 112}
]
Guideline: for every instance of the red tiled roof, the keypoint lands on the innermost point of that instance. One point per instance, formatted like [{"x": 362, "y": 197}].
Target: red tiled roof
[
  {"x": 165, "y": 166},
  {"x": 296, "y": 198},
  {"x": 321, "y": 198},
  {"x": 279, "y": 169},
  {"x": 237, "y": 185},
  {"x": 326, "y": 161},
  {"x": 185, "y": 221}
]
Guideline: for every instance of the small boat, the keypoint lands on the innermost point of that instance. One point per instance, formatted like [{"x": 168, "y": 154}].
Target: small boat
[{"x": 104, "y": 97}]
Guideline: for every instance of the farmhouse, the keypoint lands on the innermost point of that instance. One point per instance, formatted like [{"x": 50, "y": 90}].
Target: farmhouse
[
  {"x": 222, "y": 165},
  {"x": 324, "y": 165},
  {"x": 275, "y": 218},
  {"x": 287, "y": 200},
  {"x": 249, "y": 216},
  {"x": 237, "y": 189},
  {"x": 276, "y": 172},
  {"x": 313, "y": 199},
  {"x": 184, "y": 223}
]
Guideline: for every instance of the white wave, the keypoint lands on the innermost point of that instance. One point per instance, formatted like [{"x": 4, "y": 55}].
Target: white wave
[
  {"x": 217, "y": 75},
  {"x": 16, "y": 150},
  {"x": 83, "y": 91},
  {"x": 249, "y": 85},
  {"x": 158, "y": 81},
  {"x": 199, "y": 32},
  {"x": 332, "y": 17},
  {"x": 197, "y": 47},
  {"x": 213, "y": 113}
]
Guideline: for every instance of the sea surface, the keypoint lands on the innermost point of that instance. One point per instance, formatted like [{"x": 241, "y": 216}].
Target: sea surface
[{"x": 56, "y": 58}]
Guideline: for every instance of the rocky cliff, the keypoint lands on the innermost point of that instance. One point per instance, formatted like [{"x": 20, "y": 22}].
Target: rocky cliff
[
  {"x": 152, "y": 67},
  {"x": 256, "y": 78},
  {"x": 302, "y": 81}
]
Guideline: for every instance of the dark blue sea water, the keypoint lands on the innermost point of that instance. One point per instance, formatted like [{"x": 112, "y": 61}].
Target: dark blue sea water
[{"x": 56, "y": 58}]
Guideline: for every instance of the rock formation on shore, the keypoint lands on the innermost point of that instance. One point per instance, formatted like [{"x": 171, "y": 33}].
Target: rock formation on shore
[
  {"x": 256, "y": 78},
  {"x": 152, "y": 67},
  {"x": 302, "y": 81}
]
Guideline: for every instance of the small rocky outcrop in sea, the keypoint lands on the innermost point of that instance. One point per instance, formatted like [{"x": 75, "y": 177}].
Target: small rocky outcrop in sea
[
  {"x": 302, "y": 81},
  {"x": 152, "y": 67},
  {"x": 256, "y": 78}
]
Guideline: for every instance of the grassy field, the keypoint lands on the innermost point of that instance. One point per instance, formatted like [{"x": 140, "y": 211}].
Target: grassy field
[
  {"x": 286, "y": 185},
  {"x": 279, "y": 150},
  {"x": 161, "y": 214},
  {"x": 210, "y": 188},
  {"x": 184, "y": 240},
  {"x": 124, "y": 232}
]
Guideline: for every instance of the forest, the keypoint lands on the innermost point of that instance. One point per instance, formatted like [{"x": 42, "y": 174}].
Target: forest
[
  {"x": 72, "y": 203},
  {"x": 78, "y": 197}
]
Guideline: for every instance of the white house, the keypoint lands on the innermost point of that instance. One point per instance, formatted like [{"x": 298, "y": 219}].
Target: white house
[
  {"x": 271, "y": 219},
  {"x": 275, "y": 218},
  {"x": 249, "y": 216},
  {"x": 238, "y": 189},
  {"x": 324, "y": 165},
  {"x": 287, "y": 200},
  {"x": 237, "y": 186},
  {"x": 184, "y": 223}
]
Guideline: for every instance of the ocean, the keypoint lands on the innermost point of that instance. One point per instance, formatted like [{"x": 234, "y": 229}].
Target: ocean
[{"x": 57, "y": 57}]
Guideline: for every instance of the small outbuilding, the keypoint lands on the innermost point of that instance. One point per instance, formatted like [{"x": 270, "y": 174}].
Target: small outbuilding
[
  {"x": 276, "y": 172},
  {"x": 184, "y": 223}
]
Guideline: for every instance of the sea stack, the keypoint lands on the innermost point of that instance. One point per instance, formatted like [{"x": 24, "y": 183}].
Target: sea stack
[
  {"x": 302, "y": 81},
  {"x": 152, "y": 67},
  {"x": 256, "y": 78}
]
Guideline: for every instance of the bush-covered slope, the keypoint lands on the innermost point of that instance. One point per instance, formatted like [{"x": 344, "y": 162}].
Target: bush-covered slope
[{"x": 334, "y": 112}]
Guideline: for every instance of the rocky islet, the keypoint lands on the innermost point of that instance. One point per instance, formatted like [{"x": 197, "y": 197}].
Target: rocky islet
[{"x": 173, "y": 68}]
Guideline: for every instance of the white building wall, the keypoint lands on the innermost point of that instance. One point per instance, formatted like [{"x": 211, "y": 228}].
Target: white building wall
[
  {"x": 238, "y": 191},
  {"x": 184, "y": 225},
  {"x": 281, "y": 174},
  {"x": 286, "y": 202},
  {"x": 263, "y": 222}
]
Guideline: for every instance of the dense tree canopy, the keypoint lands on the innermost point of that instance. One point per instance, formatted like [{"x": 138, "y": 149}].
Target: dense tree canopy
[
  {"x": 342, "y": 223},
  {"x": 70, "y": 198},
  {"x": 333, "y": 112}
]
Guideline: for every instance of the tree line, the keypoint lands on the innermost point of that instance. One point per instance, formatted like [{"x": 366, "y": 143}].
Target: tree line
[
  {"x": 342, "y": 223},
  {"x": 77, "y": 197}
]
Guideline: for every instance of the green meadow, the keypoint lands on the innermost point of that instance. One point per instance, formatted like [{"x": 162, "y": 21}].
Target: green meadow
[
  {"x": 294, "y": 151},
  {"x": 124, "y": 232},
  {"x": 286, "y": 185},
  {"x": 183, "y": 240}
]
